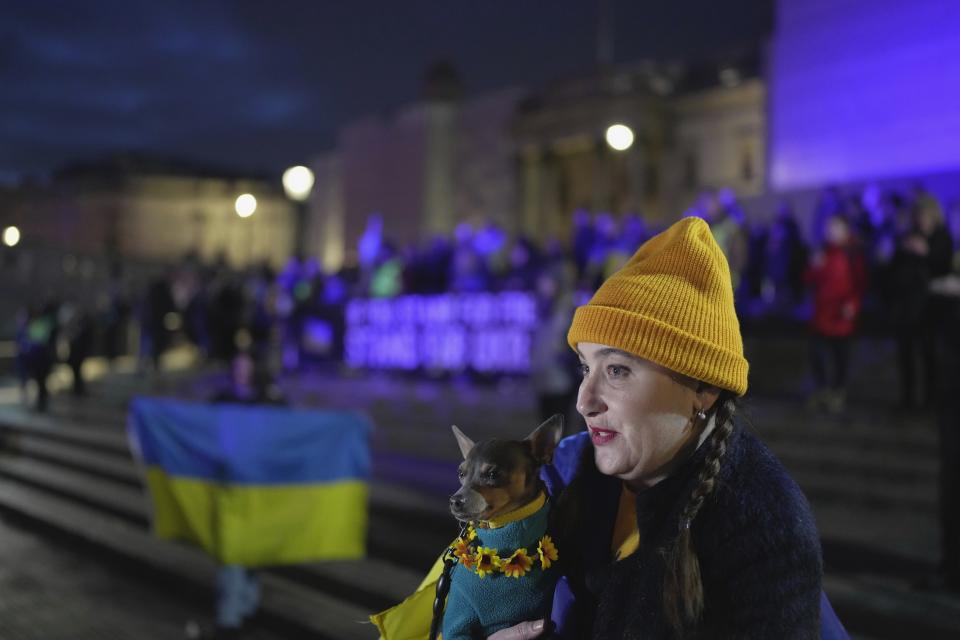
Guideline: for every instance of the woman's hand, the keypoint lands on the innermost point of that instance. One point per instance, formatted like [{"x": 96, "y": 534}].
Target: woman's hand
[{"x": 523, "y": 631}]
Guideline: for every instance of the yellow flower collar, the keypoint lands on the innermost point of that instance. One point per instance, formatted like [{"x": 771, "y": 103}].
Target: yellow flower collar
[
  {"x": 517, "y": 514},
  {"x": 486, "y": 560}
]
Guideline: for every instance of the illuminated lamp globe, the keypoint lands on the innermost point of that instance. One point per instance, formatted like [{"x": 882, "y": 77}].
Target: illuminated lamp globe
[
  {"x": 11, "y": 236},
  {"x": 619, "y": 137},
  {"x": 297, "y": 182},
  {"x": 245, "y": 205}
]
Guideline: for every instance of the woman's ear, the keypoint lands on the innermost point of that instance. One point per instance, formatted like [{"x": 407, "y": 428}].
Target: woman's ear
[{"x": 707, "y": 395}]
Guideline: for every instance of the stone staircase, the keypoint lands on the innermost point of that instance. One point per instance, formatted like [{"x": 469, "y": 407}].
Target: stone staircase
[
  {"x": 870, "y": 476},
  {"x": 80, "y": 480}
]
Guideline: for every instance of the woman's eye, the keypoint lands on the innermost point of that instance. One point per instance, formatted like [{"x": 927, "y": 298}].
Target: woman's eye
[
  {"x": 583, "y": 369},
  {"x": 616, "y": 371}
]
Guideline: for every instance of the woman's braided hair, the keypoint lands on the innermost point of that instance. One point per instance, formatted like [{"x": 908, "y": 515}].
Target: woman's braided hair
[{"x": 683, "y": 588}]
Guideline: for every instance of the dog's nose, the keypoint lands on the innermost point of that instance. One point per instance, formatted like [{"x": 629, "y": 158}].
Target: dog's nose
[{"x": 456, "y": 501}]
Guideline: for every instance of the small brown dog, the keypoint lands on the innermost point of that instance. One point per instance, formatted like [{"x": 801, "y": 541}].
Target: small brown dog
[
  {"x": 498, "y": 476},
  {"x": 502, "y": 574}
]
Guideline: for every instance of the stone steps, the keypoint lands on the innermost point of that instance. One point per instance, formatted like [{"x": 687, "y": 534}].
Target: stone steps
[
  {"x": 94, "y": 472},
  {"x": 871, "y": 480},
  {"x": 289, "y": 605}
]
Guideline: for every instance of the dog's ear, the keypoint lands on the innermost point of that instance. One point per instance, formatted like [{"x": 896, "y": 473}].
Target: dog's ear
[
  {"x": 465, "y": 443},
  {"x": 544, "y": 439}
]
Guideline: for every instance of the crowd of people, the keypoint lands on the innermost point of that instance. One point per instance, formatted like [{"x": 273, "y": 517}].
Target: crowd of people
[{"x": 863, "y": 258}]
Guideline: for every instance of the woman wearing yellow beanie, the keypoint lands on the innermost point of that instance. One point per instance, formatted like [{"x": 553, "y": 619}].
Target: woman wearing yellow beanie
[{"x": 675, "y": 521}]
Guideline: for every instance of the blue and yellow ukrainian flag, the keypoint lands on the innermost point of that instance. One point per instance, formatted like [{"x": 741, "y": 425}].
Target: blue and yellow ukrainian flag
[{"x": 255, "y": 485}]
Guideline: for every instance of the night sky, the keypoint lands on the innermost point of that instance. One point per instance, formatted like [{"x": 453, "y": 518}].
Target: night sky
[{"x": 261, "y": 85}]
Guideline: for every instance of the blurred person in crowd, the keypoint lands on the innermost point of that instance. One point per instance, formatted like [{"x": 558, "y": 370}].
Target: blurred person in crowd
[
  {"x": 923, "y": 252},
  {"x": 467, "y": 272},
  {"x": 260, "y": 320},
  {"x": 829, "y": 204},
  {"x": 76, "y": 327},
  {"x": 386, "y": 280},
  {"x": 523, "y": 266},
  {"x": 581, "y": 240},
  {"x": 295, "y": 303},
  {"x": 952, "y": 217},
  {"x": 633, "y": 231},
  {"x": 225, "y": 315},
  {"x": 412, "y": 273},
  {"x": 602, "y": 255},
  {"x": 726, "y": 224},
  {"x": 755, "y": 269},
  {"x": 39, "y": 349},
  {"x": 489, "y": 240},
  {"x": 946, "y": 290},
  {"x": 861, "y": 222},
  {"x": 114, "y": 316},
  {"x": 370, "y": 243},
  {"x": 621, "y": 243},
  {"x": 837, "y": 274},
  {"x": 786, "y": 260},
  {"x": 893, "y": 222},
  {"x": 238, "y": 588},
  {"x": 553, "y": 364},
  {"x": 21, "y": 360},
  {"x": 156, "y": 303},
  {"x": 437, "y": 265},
  {"x": 196, "y": 320}
]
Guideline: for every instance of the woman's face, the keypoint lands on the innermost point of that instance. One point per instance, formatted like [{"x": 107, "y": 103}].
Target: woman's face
[
  {"x": 837, "y": 231},
  {"x": 639, "y": 414}
]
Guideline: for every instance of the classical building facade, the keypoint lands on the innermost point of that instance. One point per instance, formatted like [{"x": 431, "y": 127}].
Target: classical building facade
[
  {"x": 144, "y": 209},
  {"x": 691, "y": 132},
  {"x": 527, "y": 159}
]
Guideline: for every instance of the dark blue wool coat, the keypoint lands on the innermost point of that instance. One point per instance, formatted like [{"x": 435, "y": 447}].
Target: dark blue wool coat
[{"x": 755, "y": 537}]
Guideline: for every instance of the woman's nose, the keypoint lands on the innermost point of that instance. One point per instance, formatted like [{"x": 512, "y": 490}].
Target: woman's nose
[{"x": 589, "y": 402}]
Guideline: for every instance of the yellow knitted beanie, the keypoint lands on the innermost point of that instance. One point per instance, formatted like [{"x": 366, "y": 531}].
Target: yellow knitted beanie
[{"x": 672, "y": 304}]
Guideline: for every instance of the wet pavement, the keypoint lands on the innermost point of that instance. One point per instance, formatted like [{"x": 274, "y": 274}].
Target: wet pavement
[{"x": 53, "y": 591}]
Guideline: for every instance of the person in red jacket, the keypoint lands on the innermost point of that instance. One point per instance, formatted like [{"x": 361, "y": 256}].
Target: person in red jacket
[{"x": 837, "y": 274}]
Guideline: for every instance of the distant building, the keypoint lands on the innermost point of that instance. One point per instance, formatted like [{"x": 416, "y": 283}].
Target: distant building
[
  {"x": 694, "y": 127},
  {"x": 526, "y": 159},
  {"x": 864, "y": 91},
  {"x": 148, "y": 209},
  {"x": 425, "y": 168}
]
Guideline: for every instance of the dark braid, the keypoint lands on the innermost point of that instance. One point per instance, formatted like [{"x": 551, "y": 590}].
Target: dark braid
[{"x": 683, "y": 587}]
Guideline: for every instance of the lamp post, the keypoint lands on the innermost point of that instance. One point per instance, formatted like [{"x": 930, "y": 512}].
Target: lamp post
[
  {"x": 297, "y": 184},
  {"x": 619, "y": 137},
  {"x": 11, "y": 236},
  {"x": 245, "y": 206}
]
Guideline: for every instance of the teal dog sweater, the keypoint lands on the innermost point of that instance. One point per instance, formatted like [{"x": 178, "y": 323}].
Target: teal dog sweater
[{"x": 479, "y": 606}]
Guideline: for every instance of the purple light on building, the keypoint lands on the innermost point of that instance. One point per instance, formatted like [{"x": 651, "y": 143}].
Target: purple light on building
[{"x": 863, "y": 89}]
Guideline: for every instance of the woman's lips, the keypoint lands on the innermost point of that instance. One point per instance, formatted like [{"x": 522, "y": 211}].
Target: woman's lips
[{"x": 600, "y": 436}]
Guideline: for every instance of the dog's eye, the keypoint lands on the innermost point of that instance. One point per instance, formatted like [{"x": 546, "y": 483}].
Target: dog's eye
[
  {"x": 461, "y": 473},
  {"x": 490, "y": 474}
]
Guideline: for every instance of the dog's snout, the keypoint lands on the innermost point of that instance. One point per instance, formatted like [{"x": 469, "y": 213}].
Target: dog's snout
[{"x": 456, "y": 501}]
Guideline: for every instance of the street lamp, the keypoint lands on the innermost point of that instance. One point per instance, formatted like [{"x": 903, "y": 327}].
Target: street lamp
[
  {"x": 11, "y": 236},
  {"x": 619, "y": 137},
  {"x": 297, "y": 182},
  {"x": 245, "y": 205}
]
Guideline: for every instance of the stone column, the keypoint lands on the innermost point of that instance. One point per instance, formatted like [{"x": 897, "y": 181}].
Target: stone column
[
  {"x": 549, "y": 196},
  {"x": 531, "y": 175},
  {"x": 439, "y": 217}
]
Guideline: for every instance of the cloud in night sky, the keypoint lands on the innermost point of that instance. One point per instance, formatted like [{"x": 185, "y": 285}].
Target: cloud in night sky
[{"x": 259, "y": 85}]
